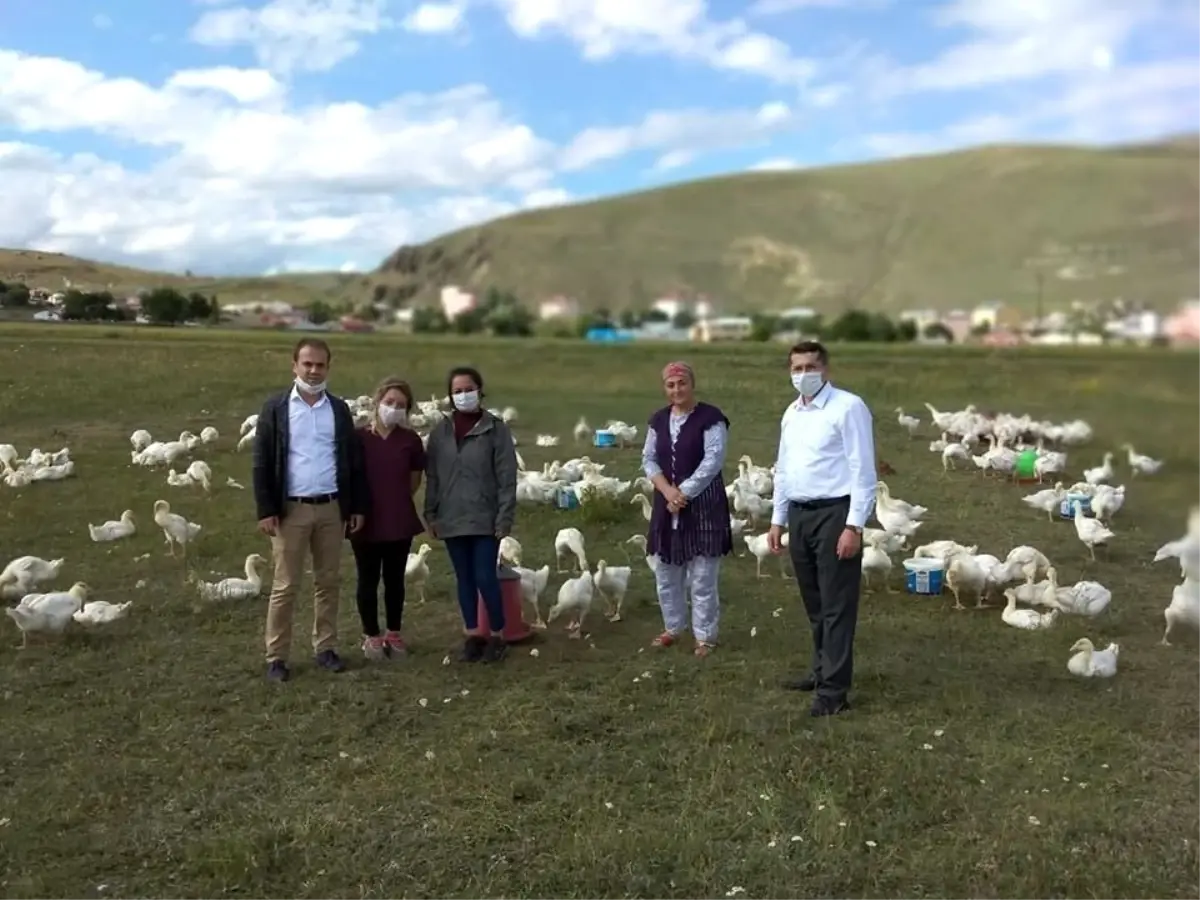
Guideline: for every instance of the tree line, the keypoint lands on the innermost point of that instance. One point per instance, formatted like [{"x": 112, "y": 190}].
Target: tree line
[
  {"x": 161, "y": 306},
  {"x": 502, "y": 314}
]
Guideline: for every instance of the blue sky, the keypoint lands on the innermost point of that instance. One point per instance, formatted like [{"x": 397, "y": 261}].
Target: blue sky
[{"x": 221, "y": 136}]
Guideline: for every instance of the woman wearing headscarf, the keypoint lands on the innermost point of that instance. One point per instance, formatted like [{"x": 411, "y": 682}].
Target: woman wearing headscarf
[{"x": 689, "y": 523}]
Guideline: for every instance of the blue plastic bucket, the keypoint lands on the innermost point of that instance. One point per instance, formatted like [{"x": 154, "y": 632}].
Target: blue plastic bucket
[
  {"x": 565, "y": 498},
  {"x": 1066, "y": 509},
  {"x": 924, "y": 576},
  {"x": 605, "y": 439}
]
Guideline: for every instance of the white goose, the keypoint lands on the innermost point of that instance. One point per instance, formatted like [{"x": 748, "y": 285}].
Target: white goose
[
  {"x": 235, "y": 588},
  {"x": 1088, "y": 662},
  {"x": 1091, "y": 532},
  {"x": 612, "y": 583},
  {"x": 1141, "y": 464},
  {"x": 1026, "y": 619},
  {"x": 416, "y": 570},
  {"x": 25, "y": 573},
  {"x": 47, "y": 613},
  {"x": 177, "y": 530},
  {"x": 101, "y": 612},
  {"x": 574, "y": 598},
  {"x": 1184, "y": 608},
  {"x": 114, "y": 529}
]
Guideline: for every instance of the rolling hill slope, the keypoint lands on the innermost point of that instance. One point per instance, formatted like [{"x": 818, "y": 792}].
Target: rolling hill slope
[{"x": 935, "y": 231}]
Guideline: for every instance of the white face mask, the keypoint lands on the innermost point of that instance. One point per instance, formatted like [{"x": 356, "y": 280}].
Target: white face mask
[
  {"x": 393, "y": 416},
  {"x": 807, "y": 383},
  {"x": 309, "y": 389},
  {"x": 466, "y": 402}
]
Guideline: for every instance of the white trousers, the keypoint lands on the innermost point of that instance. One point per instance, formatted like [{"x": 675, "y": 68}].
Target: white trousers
[{"x": 673, "y": 583}]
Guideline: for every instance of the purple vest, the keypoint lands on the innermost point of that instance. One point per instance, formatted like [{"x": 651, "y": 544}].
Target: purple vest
[{"x": 704, "y": 528}]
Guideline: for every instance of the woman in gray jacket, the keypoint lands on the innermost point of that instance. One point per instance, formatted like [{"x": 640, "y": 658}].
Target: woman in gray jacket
[{"x": 470, "y": 503}]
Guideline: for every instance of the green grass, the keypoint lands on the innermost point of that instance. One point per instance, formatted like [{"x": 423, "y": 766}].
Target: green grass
[
  {"x": 945, "y": 231},
  {"x": 153, "y": 760}
]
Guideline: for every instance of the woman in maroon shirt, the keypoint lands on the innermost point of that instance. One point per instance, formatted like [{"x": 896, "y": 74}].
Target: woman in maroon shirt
[{"x": 395, "y": 461}]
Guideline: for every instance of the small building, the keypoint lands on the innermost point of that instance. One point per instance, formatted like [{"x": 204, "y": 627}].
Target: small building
[
  {"x": 1002, "y": 337},
  {"x": 455, "y": 302},
  {"x": 725, "y": 328},
  {"x": 1183, "y": 326},
  {"x": 670, "y": 306},
  {"x": 558, "y": 307},
  {"x": 995, "y": 315},
  {"x": 355, "y": 324},
  {"x": 609, "y": 335}
]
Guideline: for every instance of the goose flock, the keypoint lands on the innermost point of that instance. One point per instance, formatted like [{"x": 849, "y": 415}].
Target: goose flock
[{"x": 1025, "y": 577}]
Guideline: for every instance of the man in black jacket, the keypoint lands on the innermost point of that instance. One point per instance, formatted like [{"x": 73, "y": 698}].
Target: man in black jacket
[{"x": 310, "y": 489}]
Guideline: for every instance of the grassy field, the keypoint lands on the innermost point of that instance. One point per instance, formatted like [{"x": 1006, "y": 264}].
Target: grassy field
[
  {"x": 153, "y": 759},
  {"x": 944, "y": 231}
]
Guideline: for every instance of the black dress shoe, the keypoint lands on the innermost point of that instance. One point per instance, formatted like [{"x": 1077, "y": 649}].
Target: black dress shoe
[
  {"x": 804, "y": 683},
  {"x": 825, "y": 706},
  {"x": 277, "y": 670}
]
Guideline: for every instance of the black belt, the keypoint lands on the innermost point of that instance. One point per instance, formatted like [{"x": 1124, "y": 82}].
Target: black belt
[
  {"x": 317, "y": 500},
  {"x": 819, "y": 504}
]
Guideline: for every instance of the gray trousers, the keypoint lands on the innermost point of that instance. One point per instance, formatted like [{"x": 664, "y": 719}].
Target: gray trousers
[
  {"x": 699, "y": 578},
  {"x": 829, "y": 588}
]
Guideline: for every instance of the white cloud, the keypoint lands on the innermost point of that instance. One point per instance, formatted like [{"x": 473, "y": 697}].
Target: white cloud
[
  {"x": 435, "y": 18},
  {"x": 674, "y": 159},
  {"x": 777, "y": 7},
  {"x": 294, "y": 35},
  {"x": 243, "y": 85},
  {"x": 775, "y": 164},
  {"x": 1111, "y": 106},
  {"x": 101, "y": 22},
  {"x": 678, "y": 132},
  {"x": 546, "y": 197},
  {"x": 243, "y": 180},
  {"x": 1022, "y": 41},
  {"x": 677, "y": 28}
]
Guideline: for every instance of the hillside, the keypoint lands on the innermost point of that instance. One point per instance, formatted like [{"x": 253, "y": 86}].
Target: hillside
[
  {"x": 933, "y": 231},
  {"x": 54, "y": 271}
]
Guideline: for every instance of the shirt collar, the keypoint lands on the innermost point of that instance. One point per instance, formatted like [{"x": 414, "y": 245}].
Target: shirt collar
[{"x": 819, "y": 399}]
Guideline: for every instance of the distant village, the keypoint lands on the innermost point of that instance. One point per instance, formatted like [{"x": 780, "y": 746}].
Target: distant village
[{"x": 700, "y": 319}]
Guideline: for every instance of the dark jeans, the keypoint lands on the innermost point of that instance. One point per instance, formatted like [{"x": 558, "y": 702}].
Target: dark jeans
[
  {"x": 829, "y": 587},
  {"x": 373, "y": 559},
  {"x": 474, "y": 560}
]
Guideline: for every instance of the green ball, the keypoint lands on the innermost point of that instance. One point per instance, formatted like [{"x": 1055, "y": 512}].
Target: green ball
[{"x": 1027, "y": 464}]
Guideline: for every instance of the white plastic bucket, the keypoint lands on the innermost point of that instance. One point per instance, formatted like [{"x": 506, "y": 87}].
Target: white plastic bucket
[
  {"x": 924, "y": 576},
  {"x": 1066, "y": 508}
]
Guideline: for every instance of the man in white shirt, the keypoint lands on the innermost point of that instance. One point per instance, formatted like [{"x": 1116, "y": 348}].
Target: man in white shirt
[
  {"x": 310, "y": 490},
  {"x": 824, "y": 492}
]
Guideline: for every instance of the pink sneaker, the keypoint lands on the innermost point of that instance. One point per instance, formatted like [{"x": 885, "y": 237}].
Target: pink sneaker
[
  {"x": 394, "y": 644},
  {"x": 374, "y": 648}
]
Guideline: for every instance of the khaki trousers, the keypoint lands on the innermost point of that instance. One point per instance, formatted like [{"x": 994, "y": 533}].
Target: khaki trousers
[{"x": 315, "y": 528}]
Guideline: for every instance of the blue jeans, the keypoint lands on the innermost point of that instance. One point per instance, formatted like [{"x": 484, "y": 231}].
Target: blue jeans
[{"x": 474, "y": 560}]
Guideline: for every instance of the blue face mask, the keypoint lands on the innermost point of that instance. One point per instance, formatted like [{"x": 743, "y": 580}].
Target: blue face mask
[
  {"x": 467, "y": 401},
  {"x": 807, "y": 383}
]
